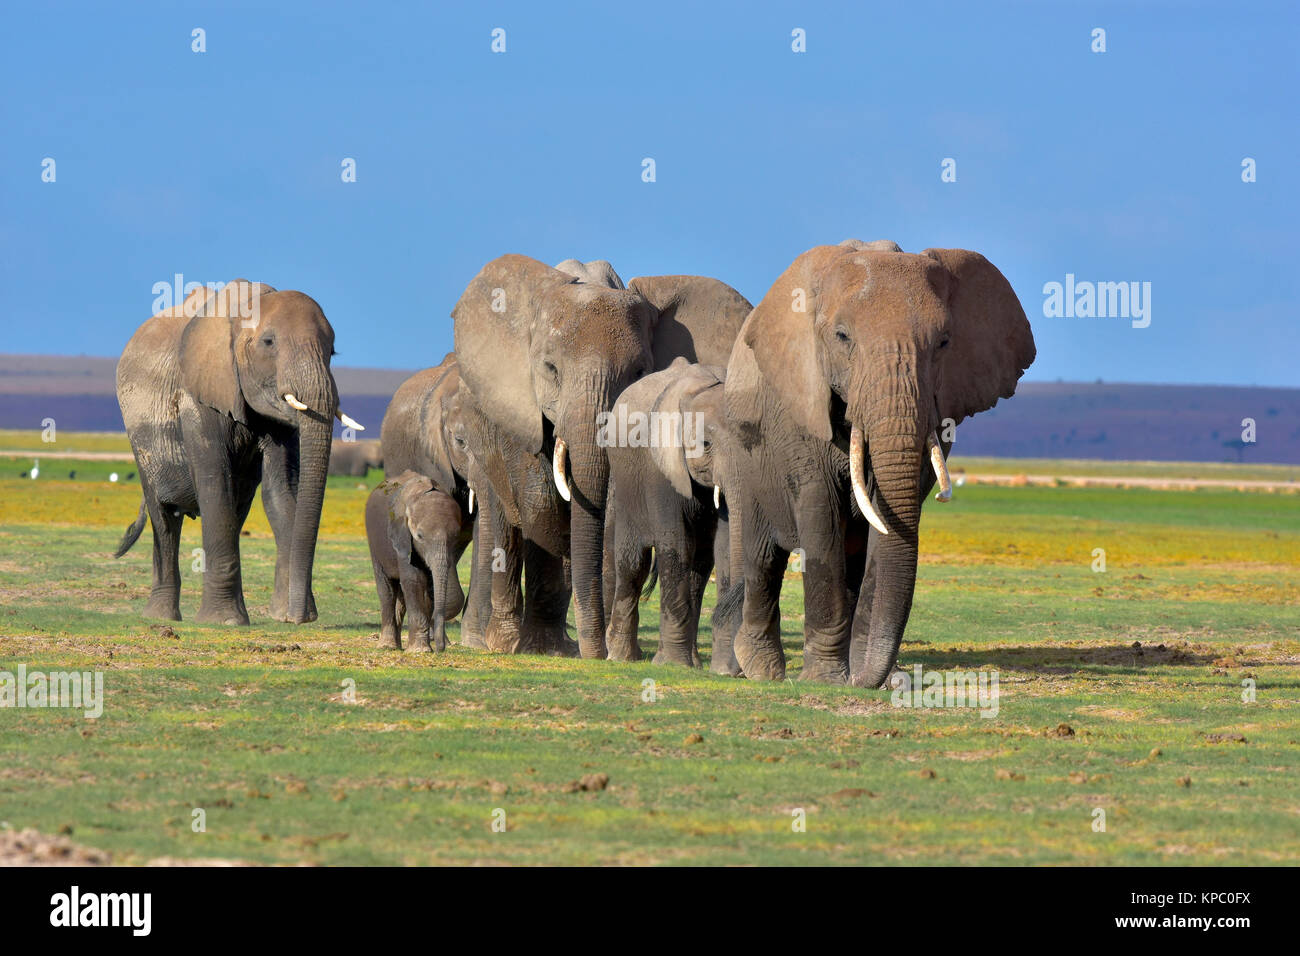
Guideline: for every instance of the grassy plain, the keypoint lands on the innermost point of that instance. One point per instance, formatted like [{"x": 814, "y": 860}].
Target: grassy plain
[{"x": 1120, "y": 693}]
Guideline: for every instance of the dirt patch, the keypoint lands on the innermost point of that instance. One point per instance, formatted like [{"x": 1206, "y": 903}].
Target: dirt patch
[{"x": 33, "y": 848}]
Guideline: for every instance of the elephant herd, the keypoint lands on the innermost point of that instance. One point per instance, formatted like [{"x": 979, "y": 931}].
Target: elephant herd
[{"x": 590, "y": 438}]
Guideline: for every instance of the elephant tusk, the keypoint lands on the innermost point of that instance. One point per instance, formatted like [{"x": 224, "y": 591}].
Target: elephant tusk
[
  {"x": 558, "y": 463},
  {"x": 857, "y": 475},
  {"x": 471, "y": 501},
  {"x": 348, "y": 421},
  {"x": 717, "y": 498},
  {"x": 940, "y": 468},
  {"x": 288, "y": 397}
]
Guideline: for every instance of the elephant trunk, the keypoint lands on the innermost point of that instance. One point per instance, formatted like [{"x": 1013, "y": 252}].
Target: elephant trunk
[
  {"x": 896, "y": 437},
  {"x": 589, "y": 482},
  {"x": 315, "y": 429},
  {"x": 439, "y": 569}
]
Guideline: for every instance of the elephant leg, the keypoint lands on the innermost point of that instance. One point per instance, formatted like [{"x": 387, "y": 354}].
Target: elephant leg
[
  {"x": 479, "y": 608},
  {"x": 505, "y": 626},
  {"x": 758, "y": 638},
  {"x": 679, "y": 596},
  {"x": 546, "y": 604},
  {"x": 222, "y": 507},
  {"x": 165, "y": 595},
  {"x": 826, "y": 609},
  {"x": 632, "y": 562},
  {"x": 390, "y": 625},
  {"x": 417, "y": 589},
  {"x": 280, "y": 500},
  {"x": 727, "y": 608}
]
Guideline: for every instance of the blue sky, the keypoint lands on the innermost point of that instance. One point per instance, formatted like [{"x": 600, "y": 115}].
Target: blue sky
[{"x": 1115, "y": 166}]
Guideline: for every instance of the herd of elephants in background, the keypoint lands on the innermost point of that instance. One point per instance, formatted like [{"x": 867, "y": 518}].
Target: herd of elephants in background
[{"x": 818, "y": 420}]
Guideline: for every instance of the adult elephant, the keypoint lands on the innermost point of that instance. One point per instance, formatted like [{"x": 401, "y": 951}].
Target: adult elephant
[
  {"x": 228, "y": 390},
  {"x": 839, "y": 384},
  {"x": 544, "y": 351},
  {"x": 522, "y": 532},
  {"x": 413, "y": 437}
]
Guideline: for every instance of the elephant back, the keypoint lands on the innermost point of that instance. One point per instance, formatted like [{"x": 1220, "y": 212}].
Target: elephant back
[{"x": 400, "y": 434}]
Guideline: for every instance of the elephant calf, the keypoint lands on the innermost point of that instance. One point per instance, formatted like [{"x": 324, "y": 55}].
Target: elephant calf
[
  {"x": 668, "y": 472},
  {"x": 416, "y": 534}
]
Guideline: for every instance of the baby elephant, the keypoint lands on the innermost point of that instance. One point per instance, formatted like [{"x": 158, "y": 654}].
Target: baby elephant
[{"x": 416, "y": 536}]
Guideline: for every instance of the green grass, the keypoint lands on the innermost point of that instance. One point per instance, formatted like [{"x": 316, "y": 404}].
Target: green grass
[
  {"x": 1143, "y": 663},
  {"x": 33, "y": 440}
]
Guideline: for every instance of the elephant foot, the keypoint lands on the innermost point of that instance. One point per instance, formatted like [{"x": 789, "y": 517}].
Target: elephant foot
[
  {"x": 390, "y": 640},
  {"x": 829, "y": 671},
  {"x": 236, "y": 617},
  {"x": 623, "y": 647},
  {"x": 472, "y": 639},
  {"x": 557, "y": 643},
  {"x": 676, "y": 655},
  {"x": 503, "y": 636},
  {"x": 760, "y": 660},
  {"x": 440, "y": 640},
  {"x": 418, "y": 644},
  {"x": 163, "y": 607},
  {"x": 724, "y": 661},
  {"x": 280, "y": 610}
]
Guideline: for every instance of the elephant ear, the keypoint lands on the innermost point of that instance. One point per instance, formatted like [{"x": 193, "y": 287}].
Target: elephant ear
[
  {"x": 432, "y": 435},
  {"x": 679, "y": 382},
  {"x": 699, "y": 317},
  {"x": 991, "y": 342},
  {"x": 596, "y": 272},
  {"x": 493, "y": 328},
  {"x": 209, "y": 371},
  {"x": 776, "y": 353}
]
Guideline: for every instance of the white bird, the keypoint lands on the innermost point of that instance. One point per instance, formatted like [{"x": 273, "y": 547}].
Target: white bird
[{"x": 36, "y": 469}]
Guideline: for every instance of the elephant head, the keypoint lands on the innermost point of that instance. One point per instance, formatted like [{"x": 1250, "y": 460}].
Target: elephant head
[
  {"x": 262, "y": 358},
  {"x": 873, "y": 349},
  {"x": 685, "y": 401},
  {"x": 543, "y": 355}
]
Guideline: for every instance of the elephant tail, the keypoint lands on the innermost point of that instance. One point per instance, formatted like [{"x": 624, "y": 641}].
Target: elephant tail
[
  {"x": 652, "y": 580},
  {"x": 133, "y": 532}
]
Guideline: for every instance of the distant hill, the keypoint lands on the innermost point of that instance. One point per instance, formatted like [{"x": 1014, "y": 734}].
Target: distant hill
[{"x": 1044, "y": 419}]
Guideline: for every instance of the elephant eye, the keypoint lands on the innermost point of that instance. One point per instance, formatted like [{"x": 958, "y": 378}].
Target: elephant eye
[
  {"x": 551, "y": 370},
  {"x": 943, "y": 344},
  {"x": 268, "y": 341},
  {"x": 842, "y": 336}
]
